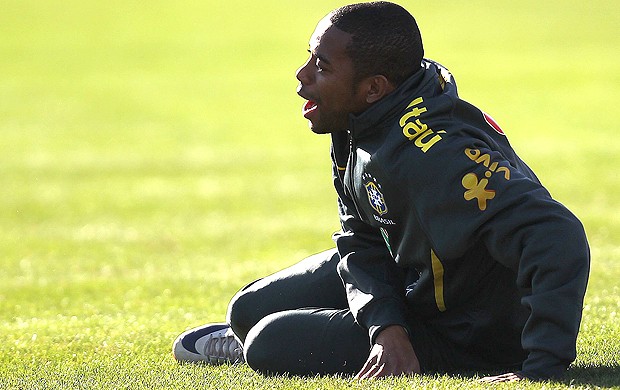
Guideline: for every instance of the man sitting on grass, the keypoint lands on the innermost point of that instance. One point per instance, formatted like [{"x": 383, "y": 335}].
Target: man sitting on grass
[{"x": 452, "y": 256}]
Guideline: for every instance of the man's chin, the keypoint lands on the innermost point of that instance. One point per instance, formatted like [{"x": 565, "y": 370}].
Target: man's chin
[
  {"x": 317, "y": 129},
  {"x": 320, "y": 129}
]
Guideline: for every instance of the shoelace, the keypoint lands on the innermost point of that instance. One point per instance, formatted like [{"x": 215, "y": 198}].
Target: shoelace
[{"x": 223, "y": 349}]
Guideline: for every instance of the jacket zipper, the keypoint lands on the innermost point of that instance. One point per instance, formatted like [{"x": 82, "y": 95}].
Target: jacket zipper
[{"x": 351, "y": 167}]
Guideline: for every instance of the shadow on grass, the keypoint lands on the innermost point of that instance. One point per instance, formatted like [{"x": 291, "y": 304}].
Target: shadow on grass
[
  {"x": 601, "y": 376},
  {"x": 598, "y": 376}
]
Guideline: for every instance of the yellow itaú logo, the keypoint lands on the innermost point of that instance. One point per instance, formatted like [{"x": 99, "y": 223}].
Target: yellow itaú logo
[
  {"x": 416, "y": 131},
  {"x": 375, "y": 197}
]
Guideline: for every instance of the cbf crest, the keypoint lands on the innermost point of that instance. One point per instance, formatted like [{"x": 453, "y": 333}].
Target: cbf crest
[{"x": 375, "y": 197}]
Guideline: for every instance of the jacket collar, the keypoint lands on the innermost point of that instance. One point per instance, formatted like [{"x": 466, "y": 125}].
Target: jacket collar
[{"x": 375, "y": 118}]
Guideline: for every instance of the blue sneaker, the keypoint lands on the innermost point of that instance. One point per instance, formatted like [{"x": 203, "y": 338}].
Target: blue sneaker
[{"x": 210, "y": 343}]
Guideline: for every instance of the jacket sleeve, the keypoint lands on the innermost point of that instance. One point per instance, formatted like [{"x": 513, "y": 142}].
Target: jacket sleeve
[
  {"x": 371, "y": 278},
  {"x": 483, "y": 196},
  {"x": 547, "y": 246}
]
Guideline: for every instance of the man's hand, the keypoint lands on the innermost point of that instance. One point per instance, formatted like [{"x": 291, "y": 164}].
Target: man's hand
[
  {"x": 509, "y": 377},
  {"x": 392, "y": 354}
]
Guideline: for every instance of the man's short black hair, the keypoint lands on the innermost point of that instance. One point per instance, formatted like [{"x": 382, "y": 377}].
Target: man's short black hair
[{"x": 386, "y": 39}]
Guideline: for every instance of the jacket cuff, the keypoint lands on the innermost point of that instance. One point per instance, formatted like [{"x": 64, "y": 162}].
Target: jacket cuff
[
  {"x": 383, "y": 314},
  {"x": 543, "y": 366}
]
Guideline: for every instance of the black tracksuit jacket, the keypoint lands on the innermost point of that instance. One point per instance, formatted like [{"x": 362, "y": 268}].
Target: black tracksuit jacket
[{"x": 442, "y": 219}]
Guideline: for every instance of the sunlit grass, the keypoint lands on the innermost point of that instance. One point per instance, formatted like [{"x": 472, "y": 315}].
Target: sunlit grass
[{"x": 153, "y": 161}]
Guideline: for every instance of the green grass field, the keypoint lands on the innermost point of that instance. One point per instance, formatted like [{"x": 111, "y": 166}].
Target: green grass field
[{"x": 153, "y": 160}]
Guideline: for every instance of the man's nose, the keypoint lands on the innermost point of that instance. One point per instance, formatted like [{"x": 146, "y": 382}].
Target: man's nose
[{"x": 303, "y": 74}]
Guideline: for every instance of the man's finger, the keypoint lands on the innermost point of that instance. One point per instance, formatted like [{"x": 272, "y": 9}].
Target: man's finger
[
  {"x": 509, "y": 377},
  {"x": 367, "y": 367},
  {"x": 373, "y": 372}
]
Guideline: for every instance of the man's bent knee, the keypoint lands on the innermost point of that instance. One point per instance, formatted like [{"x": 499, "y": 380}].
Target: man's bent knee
[
  {"x": 306, "y": 342},
  {"x": 241, "y": 314},
  {"x": 266, "y": 346}
]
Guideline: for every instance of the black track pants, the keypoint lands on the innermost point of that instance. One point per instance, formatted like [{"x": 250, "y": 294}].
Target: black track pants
[{"x": 297, "y": 321}]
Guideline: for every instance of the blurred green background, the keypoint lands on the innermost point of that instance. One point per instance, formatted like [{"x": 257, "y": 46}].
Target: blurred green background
[{"x": 153, "y": 157}]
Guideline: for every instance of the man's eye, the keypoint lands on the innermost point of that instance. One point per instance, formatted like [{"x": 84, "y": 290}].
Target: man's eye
[{"x": 318, "y": 66}]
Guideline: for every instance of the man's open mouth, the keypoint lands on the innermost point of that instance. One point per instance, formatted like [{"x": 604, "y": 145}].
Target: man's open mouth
[{"x": 308, "y": 108}]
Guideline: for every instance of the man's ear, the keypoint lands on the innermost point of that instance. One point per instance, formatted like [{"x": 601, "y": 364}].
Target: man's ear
[{"x": 378, "y": 87}]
